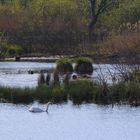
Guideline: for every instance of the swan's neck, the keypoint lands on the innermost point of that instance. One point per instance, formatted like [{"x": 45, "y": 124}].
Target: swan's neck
[{"x": 47, "y": 107}]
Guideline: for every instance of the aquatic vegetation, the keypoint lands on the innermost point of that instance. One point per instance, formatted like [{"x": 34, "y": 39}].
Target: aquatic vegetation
[
  {"x": 84, "y": 65},
  {"x": 119, "y": 92},
  {"x": 48, "y": 78},
  {"x": 41, "y": 79},
  {"x": 81, "y": 90},
  {"x": 56, "y": 79},
  {"x": 134, "y": 92},
  {"x": 58, "y": 94},
  {"x": 64, "y": 66},
  {"x": 16, "y": 95},
  {"x": 135, "y": 75},
  {"x": 42, "y": 94}
]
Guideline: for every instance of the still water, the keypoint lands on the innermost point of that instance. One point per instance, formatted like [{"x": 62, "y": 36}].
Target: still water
[
  {"x": 64, "y": 122},
  {"x": 68, "y": 122},
  {"x": 15, "y": 74}
]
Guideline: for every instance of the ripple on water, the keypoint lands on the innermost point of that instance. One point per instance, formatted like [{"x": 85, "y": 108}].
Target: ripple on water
[{"x": 68, "y": 122}]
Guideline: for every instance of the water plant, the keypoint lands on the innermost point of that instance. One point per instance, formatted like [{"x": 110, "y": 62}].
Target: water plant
[
  {"x": 58, "y": 94},
  {"x": 64, "y": 66},
  {"x": 134, "y": 92},
  {"x": 81, "y": 90},
  {"x": 41, "y": 79},
  {"x": 135, "y": 75},
  {"x": 48, "y": 78},
  {"x": 119, "y": 92},
  {"x": 83, "y": 65},
  {"x": 42, "y": 94},
  {"x": 16, "y": 95}
]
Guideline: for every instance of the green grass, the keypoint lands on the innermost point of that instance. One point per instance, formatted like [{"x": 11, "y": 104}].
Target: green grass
[
  {"x": 81, "y": 90},
  {"x": 119, "y": 92},
  {"x": 77, "y": 91}
]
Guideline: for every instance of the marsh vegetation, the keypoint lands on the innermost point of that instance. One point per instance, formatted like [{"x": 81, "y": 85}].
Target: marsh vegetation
[{"x": 60, "y": 87}]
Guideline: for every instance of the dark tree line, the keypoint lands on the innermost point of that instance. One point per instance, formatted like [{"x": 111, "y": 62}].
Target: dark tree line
[{"x": 98, "y": 7}]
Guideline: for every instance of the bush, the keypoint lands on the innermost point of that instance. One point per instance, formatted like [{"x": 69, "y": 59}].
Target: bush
[
  {"x": 84, "y": 66},
  {"x": 64, "y": 66}
]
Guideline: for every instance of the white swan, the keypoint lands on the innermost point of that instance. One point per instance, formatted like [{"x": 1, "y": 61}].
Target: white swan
[{"x": 34, "y": 109}]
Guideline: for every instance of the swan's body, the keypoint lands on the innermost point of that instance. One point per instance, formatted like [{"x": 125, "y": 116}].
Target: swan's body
[{"x": 34, "y": 109}]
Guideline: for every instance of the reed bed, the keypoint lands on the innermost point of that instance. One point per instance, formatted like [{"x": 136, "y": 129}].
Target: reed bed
[{"x": 77, "y": 91}]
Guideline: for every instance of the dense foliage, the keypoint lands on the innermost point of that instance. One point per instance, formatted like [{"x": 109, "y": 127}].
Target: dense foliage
[{"x": 58, "y": 26}]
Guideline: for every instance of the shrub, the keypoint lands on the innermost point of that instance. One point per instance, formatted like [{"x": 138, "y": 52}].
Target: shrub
[
  {"x": 84, "y": 66},
  {"x": 64, "y": 66}
]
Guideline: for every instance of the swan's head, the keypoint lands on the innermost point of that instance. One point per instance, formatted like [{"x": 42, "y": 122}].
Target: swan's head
[{"x": 49, "y": 103}]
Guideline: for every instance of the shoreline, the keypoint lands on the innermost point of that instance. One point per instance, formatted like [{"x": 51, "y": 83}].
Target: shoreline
[{"x": 53, "y": 59}]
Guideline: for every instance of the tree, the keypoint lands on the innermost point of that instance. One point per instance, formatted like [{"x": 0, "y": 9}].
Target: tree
[
  {"x": 98, "y": 7},
  {"x": 2, "y": 2}
]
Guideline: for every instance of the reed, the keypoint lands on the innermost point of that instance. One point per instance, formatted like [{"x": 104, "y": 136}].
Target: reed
[{"x": 79, "y": 91}]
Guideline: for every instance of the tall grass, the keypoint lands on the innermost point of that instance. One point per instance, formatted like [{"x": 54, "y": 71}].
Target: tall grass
[
  {"x": 78, "y": 91},
  {"x": 119, "y": 92},
  {"x": 81, "y": 90},
  {"x": 16, "y": 95}
]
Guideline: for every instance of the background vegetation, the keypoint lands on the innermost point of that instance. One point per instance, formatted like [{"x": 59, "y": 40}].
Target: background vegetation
[{"x": 61, "y": 26}]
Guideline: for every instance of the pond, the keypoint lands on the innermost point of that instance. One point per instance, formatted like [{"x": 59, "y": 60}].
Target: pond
[
  {"x": 69, "y": 122},
  {"x": 15, "y": 74}
]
